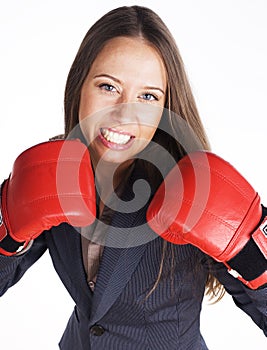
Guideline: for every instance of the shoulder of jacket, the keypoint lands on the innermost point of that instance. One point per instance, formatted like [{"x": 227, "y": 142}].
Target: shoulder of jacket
[{"x": 57, "y": 137}]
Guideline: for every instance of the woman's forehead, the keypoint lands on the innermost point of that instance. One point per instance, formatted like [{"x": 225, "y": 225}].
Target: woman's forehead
[{"x": 132, "y": 56}]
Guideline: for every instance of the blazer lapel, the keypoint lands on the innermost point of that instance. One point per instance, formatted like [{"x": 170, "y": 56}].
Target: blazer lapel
[
  {"x": 116, "y": 270},
  {"x": 125, "y": 244},
  {"x": 67, "y": 258}
]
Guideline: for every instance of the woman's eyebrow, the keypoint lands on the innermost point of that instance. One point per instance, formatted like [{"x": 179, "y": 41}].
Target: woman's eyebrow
[
  {"x": 107, "y": 76},
  {"x": 154, "y": 88}
]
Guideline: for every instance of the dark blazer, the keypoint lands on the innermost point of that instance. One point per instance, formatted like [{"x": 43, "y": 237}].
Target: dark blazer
[{"x": 121, "y": 314}]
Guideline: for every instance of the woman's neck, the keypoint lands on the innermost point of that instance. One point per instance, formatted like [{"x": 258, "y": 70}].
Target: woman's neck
[{"x": 111, "y": 175}]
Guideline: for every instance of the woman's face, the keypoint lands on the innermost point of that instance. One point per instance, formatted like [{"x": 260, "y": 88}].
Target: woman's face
[{"x": 122, "y": 99}]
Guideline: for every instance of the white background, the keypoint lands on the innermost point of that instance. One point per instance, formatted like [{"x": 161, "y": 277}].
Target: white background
[{"x": 223, "y": 44}]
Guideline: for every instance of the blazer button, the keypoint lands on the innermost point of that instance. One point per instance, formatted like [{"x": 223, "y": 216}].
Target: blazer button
[{"x": 97, "y": 330}]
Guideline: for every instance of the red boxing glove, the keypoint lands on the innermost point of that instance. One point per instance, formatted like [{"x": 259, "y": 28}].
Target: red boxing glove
[
  {"x": 206, "y": 202},
  {"x": 50, "y": 183}
]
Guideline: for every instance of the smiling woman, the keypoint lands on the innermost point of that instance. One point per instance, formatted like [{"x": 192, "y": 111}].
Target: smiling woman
[
  {"x": 126, "y": 71},
  {"x": 134, "y": 161}
]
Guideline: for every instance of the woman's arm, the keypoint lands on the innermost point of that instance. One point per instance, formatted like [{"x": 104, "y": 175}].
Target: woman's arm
[
  {"x": 252, "y": 302},
  {"x": 12, "y": 268}
]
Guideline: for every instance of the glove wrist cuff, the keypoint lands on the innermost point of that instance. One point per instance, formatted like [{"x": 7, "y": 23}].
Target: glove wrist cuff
[
  {"x": 258, "y": 283},
  {"x": 8, "y": 246},
  {"x": 250, "y": 264}
]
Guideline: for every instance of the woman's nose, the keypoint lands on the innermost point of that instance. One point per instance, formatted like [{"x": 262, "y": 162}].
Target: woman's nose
[
  {"x": 125, "y": 111},
  {"x": 126, "y": 97}
]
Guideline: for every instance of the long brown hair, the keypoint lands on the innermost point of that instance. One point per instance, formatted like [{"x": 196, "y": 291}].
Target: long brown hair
[{"x": 138, "y": 21}]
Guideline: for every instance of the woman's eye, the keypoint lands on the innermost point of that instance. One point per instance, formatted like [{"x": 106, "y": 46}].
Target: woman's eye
[
  {"x": 107, "y": 87},
  {"x": 149, "y": 97}
]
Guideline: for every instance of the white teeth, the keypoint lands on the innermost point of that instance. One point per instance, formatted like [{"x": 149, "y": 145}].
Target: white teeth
[{"x": 115, "y": 137}]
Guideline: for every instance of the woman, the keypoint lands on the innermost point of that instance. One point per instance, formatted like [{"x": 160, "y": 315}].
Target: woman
[{"x": 128, "y": 99}]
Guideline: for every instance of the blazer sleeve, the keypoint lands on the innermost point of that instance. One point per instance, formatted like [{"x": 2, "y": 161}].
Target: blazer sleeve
[
  {"x": 13, "y": 268},
  {"x": 252, "y": 302}
]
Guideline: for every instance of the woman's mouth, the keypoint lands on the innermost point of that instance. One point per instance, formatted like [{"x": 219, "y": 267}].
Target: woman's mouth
[{"x": 115, "y": 139}]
